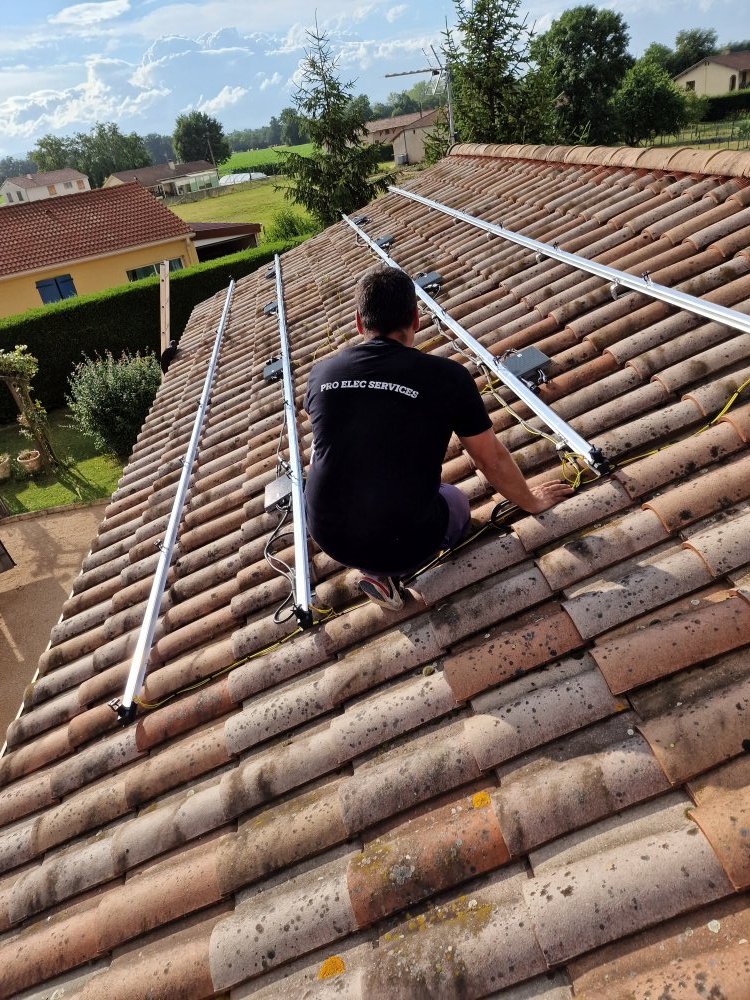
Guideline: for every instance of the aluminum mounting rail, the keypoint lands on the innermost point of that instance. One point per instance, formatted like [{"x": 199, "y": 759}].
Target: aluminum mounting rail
[
  {"x": 126, "y": 706},
  {"x": 643, "y": 284},
  {"x": 302, "y": 591},
  {"x": 564, "y": 432}
]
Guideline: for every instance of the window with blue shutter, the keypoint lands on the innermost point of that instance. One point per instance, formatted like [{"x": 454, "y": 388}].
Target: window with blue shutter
[{"x": 55, "y": 289}]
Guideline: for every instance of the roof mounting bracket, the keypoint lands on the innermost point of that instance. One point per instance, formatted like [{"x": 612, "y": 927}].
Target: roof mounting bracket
[
  {"x": 384, "y": 242},
  {"x": 273, "y": 370},
  {"x": 360, "y": 220},
  {"x": 431, "y": 281},
  {"x": 270, "y": 308},
  {"x": 529, "y": 365}
]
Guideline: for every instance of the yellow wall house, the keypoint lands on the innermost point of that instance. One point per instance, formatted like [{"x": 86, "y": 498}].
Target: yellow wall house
[
  {"x": 52, "y": 250},
  {"x": 717, "y": 74}
]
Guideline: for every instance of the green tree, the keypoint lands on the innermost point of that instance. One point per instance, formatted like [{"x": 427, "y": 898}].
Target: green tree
[
  {"x": 425, "y": 96},
  {"x": 98, "y": 153},
  {"x": 402, "y": 103},
  {"x": 487, "y": 53},
  {"x": 380, "y": 110},
  {"x": 336, "y": 177},
  {"x": 647, "y": 104},
  {"x": 290, "y": 127},
  {"x": 53, "y": 152},
  {"x": 159, "y": 147},
  {"x": 198, "y": 136},
  {"x": 585, "y": 52},
  {"x": 659, "y": 54},
  {"x": 691, "y": 46},
  {"x": 11, "y": 166},
  {"x": 105, "y": 150}
]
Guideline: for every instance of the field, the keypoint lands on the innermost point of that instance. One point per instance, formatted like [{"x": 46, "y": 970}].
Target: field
[
  {"x": 84, "y": 475},
  {"x": 258, "y": 203},
  {"x": 251, "y": 158}
]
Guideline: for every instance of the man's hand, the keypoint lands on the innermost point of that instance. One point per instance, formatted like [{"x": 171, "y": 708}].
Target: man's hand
[
  {"x": 497, "y": 465},
  {"x": 547, "y": 496}
]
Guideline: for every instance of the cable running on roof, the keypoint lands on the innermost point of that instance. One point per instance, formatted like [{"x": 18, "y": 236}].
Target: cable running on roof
[
  {"x": 288, "y": 489},
  {"x": 563, "y": 431},
  {"x": 125, "y": 707},
  {"x": 643, "y": 284}
]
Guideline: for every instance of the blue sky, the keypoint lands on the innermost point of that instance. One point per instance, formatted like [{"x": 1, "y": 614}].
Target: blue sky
[{"x": 140, "y": 63}]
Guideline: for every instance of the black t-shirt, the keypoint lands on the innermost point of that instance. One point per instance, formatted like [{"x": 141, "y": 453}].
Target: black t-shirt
[{"x": 382, "y": 416}]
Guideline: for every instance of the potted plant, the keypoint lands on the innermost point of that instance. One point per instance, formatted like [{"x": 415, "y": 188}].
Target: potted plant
[
  {"x": 4, "y": 466},
  {"x": 30, "y": 460}
]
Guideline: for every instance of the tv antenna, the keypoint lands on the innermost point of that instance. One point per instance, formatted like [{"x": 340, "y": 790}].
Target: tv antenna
[{"x": 443, "y": 82}]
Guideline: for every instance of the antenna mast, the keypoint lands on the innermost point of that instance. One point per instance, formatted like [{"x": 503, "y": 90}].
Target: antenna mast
[{"x": 442, "y": 73}]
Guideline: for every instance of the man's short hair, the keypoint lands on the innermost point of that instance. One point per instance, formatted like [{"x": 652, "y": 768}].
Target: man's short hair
[{"x": 385, "y": 299}]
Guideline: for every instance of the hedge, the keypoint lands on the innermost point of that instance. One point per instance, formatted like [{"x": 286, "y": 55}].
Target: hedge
[
  {"x": 727, "y": 106},
  {"x": 123, "y": 318}
]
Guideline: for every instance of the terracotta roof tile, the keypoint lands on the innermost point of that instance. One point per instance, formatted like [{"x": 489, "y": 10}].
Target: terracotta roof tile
[
  {"x": 608, "y": 763},
  {"x": 236, "y": 804},
  {"x": 697, "y": 719},
  {"x": 704, "y": 951},
  {"x": 664, "y": 647},
  {"x": 644, "y": 867},
  {"x": 40, "y": 234}
]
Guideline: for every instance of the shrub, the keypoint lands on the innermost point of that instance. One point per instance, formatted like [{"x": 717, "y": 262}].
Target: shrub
[
  {"x": 725, "y": 106},
  {"x": 115, "y": 320},
  {"x": 287, "y": 225},
  {"x": 109, "y": 399}
]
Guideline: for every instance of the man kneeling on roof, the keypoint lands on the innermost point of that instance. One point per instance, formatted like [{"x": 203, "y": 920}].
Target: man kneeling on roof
[{"x": 382, "y": 415}]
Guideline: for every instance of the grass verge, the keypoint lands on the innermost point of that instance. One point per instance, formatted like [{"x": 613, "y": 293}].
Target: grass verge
[
  {"x": 254, "y": 157},
  {"x": 82, "y": 476}
]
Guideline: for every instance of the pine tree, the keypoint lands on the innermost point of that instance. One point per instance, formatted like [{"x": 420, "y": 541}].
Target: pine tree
[
  {"x": 487, "y": 65},
  {"x": 336, "y": 177}
]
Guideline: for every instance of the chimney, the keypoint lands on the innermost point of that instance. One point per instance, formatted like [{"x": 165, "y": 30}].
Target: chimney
[
  {"x": 170, "y": 163},
  {"x": 29, "y": 176}
]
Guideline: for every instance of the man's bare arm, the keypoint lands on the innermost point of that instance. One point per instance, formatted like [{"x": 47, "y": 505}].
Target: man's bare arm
[{"x": 497, "y": 465}]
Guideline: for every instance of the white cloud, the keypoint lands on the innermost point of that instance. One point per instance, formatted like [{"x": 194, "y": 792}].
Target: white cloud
[
  {"x": 87, "y": 15},
  {"x": 271, "y": 81},
  {"x": 226, "y": 97},
  {"x": 394, "y": 13}
]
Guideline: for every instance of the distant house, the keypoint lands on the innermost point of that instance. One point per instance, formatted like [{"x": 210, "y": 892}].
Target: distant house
[
  {"x": 168, "y": 180},
  {"x": 717, "y": 74},
  {"x": 53, "y": 250},
  {"x": 36, "y": 187},
  {"x": 406, "y": 133}
]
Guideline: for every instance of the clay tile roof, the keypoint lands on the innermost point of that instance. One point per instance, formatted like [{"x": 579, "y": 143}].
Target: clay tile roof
[
  {"x": 733, "y": 60},
  {"x": 43, "y": 179},
  {"x": 530, "y": 782},
  {"x": 158, "y": 172},
  {"x": 399, "y": 122},
  {"x": 42, "y": 234}
]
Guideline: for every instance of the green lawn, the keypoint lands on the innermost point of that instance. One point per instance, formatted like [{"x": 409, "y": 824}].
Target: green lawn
[
  {"x": 83, "y": 475},
  {"x": 251, "y": 158},
  {"x": 258, "y": 203}
]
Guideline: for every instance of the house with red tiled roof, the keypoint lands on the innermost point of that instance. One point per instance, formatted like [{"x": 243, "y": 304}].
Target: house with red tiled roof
[
  {"x": 39, "y": 186},
  {"x": 529, "y": 782},
  {"x": 170, "y": 179},
  {"x": 406, "y": 133},
  {"x": 719, "y": 74},
  {"x": 51, "y": 250}
]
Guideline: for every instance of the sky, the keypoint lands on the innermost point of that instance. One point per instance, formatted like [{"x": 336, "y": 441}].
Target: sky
[{"x": 140, "y": 63}]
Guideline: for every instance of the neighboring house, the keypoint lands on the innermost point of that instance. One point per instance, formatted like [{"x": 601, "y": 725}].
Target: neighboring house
[
  {"x": 71, "y": 246},
  {"x": 409, "y": 141},
  {"x": 36, "y": 187},
  {"x": 168, "y": 180},
  {"x": 406, "y": 131},
  {"x": 717, "y": 74},
  {"x": 531, "y": 781},
  {"x": 216, "y": 239}
]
